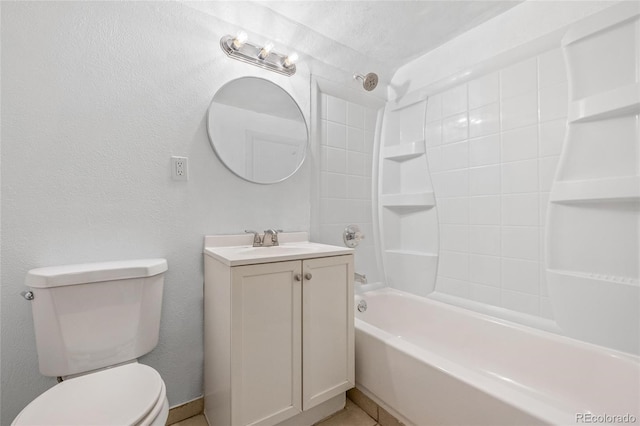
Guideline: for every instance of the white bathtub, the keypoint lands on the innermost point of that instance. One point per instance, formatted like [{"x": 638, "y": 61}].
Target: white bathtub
[{"x": 432, "y": 363}]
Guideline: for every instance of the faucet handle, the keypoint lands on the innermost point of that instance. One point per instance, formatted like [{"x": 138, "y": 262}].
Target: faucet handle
[
  {"x": 352, "y": 236},
  {"x": 257, "y": 241},
  {"x": 274, "y": 236}
]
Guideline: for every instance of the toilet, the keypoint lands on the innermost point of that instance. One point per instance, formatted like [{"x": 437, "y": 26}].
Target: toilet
[{"x": 92, "y": 321}]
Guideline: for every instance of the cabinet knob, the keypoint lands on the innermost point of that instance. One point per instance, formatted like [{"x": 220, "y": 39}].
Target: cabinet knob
[
  {"x": 308, "y": 276},
  {"x": 297, "y": 277}
]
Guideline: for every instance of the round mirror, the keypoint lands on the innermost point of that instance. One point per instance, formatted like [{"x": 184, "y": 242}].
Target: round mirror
[{"x": 257, "y": 130}]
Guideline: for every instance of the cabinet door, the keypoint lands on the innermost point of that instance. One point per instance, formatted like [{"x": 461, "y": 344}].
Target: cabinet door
[
  {"x": 265, "y": 343},
  {"x": 327, "y": 328}
]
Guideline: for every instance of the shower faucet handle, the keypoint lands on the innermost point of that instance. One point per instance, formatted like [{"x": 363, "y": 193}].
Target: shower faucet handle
[{"x": 352, "y": 236}]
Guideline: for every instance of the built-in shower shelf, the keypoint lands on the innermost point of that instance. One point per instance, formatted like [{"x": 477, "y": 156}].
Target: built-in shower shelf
[
  {"x": 598, "y": 277},
  {"x": 411, "y": 253},
  {"x": 405, "y": 151},
  {"x": 422, "y": 200},
  {"x": 592, "y": 220},
  {"x": 594, "y": 190},
  {"x": 614, "y": 103},
  {"x": 407, "y": 218}
]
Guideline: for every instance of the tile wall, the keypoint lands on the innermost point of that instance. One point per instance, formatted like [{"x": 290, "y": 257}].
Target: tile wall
[
  {"x": 346, "y": 158},
  {"x": 493, "y": 145}
]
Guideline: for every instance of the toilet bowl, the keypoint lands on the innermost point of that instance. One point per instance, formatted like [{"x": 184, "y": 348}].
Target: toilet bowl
[
  {"x": 92, "y": 322},
  {"x": 132, "y": 394}
]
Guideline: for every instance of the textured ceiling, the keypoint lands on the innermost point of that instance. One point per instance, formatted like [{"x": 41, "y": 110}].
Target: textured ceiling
[
  {"x": 393, "y": 32},
  {"x": 355, "y": 36}
]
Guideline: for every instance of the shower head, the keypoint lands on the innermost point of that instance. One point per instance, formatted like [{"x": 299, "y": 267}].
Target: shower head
[{"x": 369, "y": 81}]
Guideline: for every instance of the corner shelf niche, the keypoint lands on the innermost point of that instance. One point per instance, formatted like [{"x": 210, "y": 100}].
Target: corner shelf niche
[
  {"x": 418, "y": 200},
  {"x": 585, "y": 321},
  {"x": 405, "y": 151},
  {"x": 412, "y": 269},
  {"x": 419, "y": 254},
  {"x": 613, "y": 103},
  {"x": 406, "y": 202},
  {"x": 614, "y": 189},
  {"x": 593, "y": 220}
]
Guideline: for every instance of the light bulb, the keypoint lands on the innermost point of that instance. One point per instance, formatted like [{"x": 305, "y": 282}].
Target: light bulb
[
  {"x": 240, "y": 39},
  {"x": 264, "y": 52},
  {"x": 290, "y": 60}
]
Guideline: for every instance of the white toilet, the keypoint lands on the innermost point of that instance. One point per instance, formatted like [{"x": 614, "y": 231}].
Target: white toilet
[{"x": 92, "y": 321}]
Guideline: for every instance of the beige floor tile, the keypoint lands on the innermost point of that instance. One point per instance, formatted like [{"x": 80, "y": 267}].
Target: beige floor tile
[
  {"x": 352, "y": 415},
  {"x": 198, "y": 420},
  {"x": 386, "y": 419},
  {"x": 364, "y": 402}
]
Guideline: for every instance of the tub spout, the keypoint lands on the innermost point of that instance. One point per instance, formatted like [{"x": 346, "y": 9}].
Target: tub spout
[{"x": 360, "y": 278}]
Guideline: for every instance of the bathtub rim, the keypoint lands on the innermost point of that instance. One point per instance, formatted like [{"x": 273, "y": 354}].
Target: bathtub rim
[
  {"x": 482, "y": 382},
  {"x": 529, "y": 320},
  {"x": 504, "y": 322},
  {"x": 534, "y": 404}
]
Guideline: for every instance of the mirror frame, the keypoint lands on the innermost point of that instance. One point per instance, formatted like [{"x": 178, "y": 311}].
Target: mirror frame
[{"x": 304, "y": 120}]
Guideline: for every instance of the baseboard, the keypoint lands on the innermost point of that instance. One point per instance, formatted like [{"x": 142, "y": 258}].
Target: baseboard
[{"x": 186, "y": 410}]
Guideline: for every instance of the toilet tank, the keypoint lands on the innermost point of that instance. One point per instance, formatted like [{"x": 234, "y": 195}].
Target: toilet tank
[{"x": 95, "y": 315}]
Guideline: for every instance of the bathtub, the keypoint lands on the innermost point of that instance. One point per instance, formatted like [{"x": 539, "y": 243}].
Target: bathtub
[{"x": 431, "y": 363}]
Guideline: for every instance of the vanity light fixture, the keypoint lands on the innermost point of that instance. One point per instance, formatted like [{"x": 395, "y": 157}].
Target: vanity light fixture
[
  {"x": 240, "y": 40},
  {"x": 266, "y": 50},
  {"x": 261, "y": 56},
  {"x": 290, "y": 61}
]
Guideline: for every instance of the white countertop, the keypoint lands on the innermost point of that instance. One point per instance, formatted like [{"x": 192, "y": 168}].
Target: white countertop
[{"x": 236, "y": 250}]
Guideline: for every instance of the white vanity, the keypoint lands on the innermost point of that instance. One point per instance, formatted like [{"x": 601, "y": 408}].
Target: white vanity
[{"x": 278, "y": 330}]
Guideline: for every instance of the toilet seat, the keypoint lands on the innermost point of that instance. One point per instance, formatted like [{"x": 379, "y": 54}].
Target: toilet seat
[{"x": 131, "y": 394}]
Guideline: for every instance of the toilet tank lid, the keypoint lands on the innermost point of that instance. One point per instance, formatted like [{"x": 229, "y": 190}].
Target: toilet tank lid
[{"x": 56, "y": 276}]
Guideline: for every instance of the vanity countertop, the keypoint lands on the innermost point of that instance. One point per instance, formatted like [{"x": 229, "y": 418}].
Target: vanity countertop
[{"x": 236, "y": 250}]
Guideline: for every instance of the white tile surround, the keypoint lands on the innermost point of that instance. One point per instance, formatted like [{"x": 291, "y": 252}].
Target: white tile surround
[
  {"x": 346, "y": 158},
  {"x": 493, "y": 145}
]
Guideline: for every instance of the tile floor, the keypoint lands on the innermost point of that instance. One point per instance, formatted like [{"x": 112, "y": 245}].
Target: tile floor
[
  {"x": 352, "y": 415},
  {"x": 198, "y": 420}
]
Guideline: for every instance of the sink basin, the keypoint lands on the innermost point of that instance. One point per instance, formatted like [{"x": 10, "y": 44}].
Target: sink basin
[
  {"x": 235, "y": 254},
  {"x": 277, "y": 250}
]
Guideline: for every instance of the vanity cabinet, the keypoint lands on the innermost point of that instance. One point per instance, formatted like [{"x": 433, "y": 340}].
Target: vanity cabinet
[{"x": 279, "y": 337}]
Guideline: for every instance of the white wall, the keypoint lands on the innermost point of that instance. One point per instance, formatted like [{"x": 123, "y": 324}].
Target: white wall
[{"x": 96, "y": 97}]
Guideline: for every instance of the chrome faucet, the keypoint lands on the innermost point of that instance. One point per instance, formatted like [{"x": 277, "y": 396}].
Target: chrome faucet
[
  {"x": 268, "y": 239},
  {"x": 272, "y": 240},
  {"x": 360, "y": 278},
  {"x": 257, "y": 240}
]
